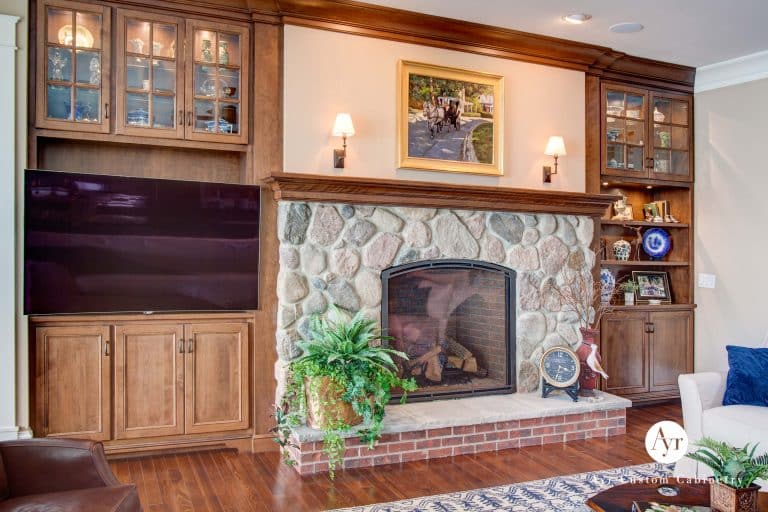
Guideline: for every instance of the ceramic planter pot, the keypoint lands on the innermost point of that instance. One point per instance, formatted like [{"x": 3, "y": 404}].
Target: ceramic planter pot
[
  {"x": 629, "y": 298},
  {"x": 724, "y": 498},
  {"x": 325, "y": 406}
]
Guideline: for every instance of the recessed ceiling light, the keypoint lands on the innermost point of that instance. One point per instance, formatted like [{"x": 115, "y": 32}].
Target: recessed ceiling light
[
  {"x": 626, "y": 28},
  {"x": 577, "y": 18}
]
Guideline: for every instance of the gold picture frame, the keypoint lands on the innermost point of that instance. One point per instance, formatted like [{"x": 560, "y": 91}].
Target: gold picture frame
[{"x": 450, "y": 119}]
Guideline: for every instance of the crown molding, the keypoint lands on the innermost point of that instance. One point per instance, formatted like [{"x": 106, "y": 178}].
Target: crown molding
[{"x": 732, "y": 72}]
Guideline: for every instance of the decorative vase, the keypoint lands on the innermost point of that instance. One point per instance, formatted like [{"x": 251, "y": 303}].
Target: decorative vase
[
  {"x": 207, "y": 52},
  {"x": 621, "y": 250},
  {"x": 724, "y": 498},
  {"x": 629, "y": 298},
  {"x": 607, "y": 285},
  {"x": 223, "y": 52},
  {"x": 587, "y": 377},
  {"x": 325, "y": 407}
]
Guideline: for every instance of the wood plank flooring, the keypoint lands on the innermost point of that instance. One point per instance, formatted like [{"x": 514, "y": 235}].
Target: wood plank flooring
[{"x": 230, "y": 481}]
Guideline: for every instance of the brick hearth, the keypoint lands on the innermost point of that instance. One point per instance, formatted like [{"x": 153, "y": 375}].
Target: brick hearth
[{"x": 533, "y": 421}]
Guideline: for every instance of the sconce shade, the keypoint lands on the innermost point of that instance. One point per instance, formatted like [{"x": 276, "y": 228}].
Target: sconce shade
[
  {"x": 555, "y": 146},
  {"x": 343, "y": 126}
]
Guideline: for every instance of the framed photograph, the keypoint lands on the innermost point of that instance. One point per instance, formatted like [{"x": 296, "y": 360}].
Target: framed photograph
[
  {"x": 652, "y": 285},
  {"x": 449, "y": 119}
]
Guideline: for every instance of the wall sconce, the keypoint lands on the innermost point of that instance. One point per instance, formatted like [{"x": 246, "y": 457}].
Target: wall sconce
[
  {"x": 555, "y": 148},
  {"x": 344, "y": 128}
]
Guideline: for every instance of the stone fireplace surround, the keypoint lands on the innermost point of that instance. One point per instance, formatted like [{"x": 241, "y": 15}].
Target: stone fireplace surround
[{"x": 337, "y": 236}]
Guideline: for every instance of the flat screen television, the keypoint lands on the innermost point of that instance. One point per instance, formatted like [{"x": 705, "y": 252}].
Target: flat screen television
[{"x": 98, "y": 244}]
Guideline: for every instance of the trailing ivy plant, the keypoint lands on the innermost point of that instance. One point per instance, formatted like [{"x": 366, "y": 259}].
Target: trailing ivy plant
[
  {"x": 361, "y": 371},
  {"x": 734, "y": 467}
]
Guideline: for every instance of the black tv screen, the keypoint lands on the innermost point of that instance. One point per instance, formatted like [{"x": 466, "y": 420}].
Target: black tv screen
[{"x": 97, "y": 244}]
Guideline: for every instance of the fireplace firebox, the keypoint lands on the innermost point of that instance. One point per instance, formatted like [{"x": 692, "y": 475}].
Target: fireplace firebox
[{"x": 455, "y": 321}]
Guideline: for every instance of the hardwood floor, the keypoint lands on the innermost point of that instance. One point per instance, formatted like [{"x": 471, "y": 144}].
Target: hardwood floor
[{"x": 231, "y": 481}]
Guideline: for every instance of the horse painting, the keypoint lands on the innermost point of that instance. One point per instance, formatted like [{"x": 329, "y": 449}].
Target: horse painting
[{"x": 435, "y": 118}]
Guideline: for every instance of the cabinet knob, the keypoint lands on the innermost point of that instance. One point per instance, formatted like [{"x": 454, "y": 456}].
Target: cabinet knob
[
  {"x": 106, "y": 348},
  {"x": 649, "y": 327}
]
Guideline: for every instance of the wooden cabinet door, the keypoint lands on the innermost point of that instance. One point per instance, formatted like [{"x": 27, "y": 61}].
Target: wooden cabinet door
[
  {"x": 624, "y": 129},
  {"x": 624, "y": 351},
  {"x": 670, "y": 348},
  {"x": 217, "y": 77},
  {"x": 216, "y": 383},
  {"x": 73, "y": 66},
  {"x": 72, "y": 396},
  {"x": 149, "y": 380},
  {"x": 150, "y": 76},
  {"x": 671, "y": 136}
]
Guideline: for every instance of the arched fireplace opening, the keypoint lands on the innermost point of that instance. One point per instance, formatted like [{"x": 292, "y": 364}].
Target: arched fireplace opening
[{"x": 455, "y": 319}]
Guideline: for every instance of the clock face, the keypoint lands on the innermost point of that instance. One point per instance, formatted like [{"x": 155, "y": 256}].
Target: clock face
[{"x": 560, "y": 366}]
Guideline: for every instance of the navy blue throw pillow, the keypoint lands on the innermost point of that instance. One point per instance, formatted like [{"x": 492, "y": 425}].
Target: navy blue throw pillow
[{"x": 747, "y": 377}]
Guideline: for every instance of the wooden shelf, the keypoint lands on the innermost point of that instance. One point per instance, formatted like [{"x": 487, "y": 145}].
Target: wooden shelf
[
  {"x": 655, "y": 307},
  {"x": 643, "y": 263},
  {"x": 643, "y": 223}
]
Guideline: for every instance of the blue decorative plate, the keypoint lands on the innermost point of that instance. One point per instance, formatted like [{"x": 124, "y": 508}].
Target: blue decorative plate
[{"x": 656, "y": 243}]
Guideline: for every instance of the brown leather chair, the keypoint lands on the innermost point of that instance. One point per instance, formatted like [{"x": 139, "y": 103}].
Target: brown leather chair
[{"x": 60, "y": 475}]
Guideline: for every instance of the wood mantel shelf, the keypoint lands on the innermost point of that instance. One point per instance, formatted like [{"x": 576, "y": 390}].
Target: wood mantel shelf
[{"x": 368, "y": 191}]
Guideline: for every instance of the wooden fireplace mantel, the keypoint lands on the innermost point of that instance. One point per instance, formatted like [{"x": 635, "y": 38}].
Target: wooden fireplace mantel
[{"x": 368, "y": 191}]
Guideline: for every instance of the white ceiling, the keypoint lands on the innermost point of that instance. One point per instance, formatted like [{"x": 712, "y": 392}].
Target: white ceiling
[{"x": 690, "y": 32}]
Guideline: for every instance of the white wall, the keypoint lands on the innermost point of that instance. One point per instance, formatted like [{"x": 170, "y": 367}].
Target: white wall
[
  {"x": 730, "y": 218},
  {"x": 326, "y": 72},
  {"x": 12, "y": 154}
]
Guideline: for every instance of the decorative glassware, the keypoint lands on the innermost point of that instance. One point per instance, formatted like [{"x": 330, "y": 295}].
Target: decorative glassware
[
  {"x": 223, "y": 52},
  {"x": 95, "y": 68},
  {"x": 207, "y": 53},
  {"x": 58, "y": 62}
]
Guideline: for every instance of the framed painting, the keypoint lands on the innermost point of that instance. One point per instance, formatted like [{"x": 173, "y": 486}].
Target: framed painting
[
  {"x": 450, "y": 119},
  {"x": 652, "y": 286}
]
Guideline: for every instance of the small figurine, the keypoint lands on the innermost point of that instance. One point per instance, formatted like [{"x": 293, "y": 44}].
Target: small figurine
[
  {"x": 590, "y": 367},
  {"x": 638, "y": 242},
  {"x": 622, "y": 209}
]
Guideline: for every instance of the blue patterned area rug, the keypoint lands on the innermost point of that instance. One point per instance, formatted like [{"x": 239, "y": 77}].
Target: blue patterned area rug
[{"x": 561, "y": 494}]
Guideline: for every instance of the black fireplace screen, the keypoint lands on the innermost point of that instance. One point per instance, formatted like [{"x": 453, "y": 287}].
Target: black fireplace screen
[{"x": 455, "y": 320}]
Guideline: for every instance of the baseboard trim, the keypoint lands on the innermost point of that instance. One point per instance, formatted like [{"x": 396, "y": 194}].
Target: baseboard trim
[{"x": 15, "y": 433}]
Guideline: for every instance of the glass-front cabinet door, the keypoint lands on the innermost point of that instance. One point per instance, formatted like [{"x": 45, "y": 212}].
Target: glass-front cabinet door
[
  {"x": 149, "y": 75},
  {"x": 73, "y": 70},
  {"x": 671, "y": 137},
  {"x": 217, "y": 105},
  {"x": 625, "y": 131}
]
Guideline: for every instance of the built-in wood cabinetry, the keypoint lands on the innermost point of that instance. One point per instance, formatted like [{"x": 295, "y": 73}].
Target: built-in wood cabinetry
[{"x": 137, "y": 382}]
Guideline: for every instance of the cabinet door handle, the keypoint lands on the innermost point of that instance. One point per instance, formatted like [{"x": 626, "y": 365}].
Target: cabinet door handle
[
  {"x": 106, "y": 348},
  {"x": 180, "y": 118},
  {"x": 189, "y": 118},
  {"x": 190, "y": 346},
  {"x": 106, "y": 111},
  {"x": 181, "y": 346},
  {"x": 649, "y": 327}
]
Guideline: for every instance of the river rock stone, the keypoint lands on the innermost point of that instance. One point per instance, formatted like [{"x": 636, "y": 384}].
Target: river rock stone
[
  {"x": 287, "y": 316},
  {"x": 530, "y": 236},
  {"x": 528, "y": 377},
  {"x": 526, "y": 346},
  {"x": 407, "y": 256},
  {"x": 576, "y": 260},
  {"x": 421, "y": 214},
  {"x": 508, "y": 226},
  {"x": 292, "y": 287},
  {"x": 454, "y": 239},
  {"x": 286, "y": 344},
  {"x": 315, "y": 303},
  {"x": 305, "y": 328},
  {"x": 368, "y": 286},
  {"x": 532, "y": 325},
  {"x": 318, "y": 283},
  {"x": 345, "y": 262},
  {"x": 313, "y": 259},
  {"x": 476, "y": 225},
  {"x": 553, "y": 254},
  {"x": 530, "y": 220},
  {"x": 386, "y": 221},
  {"x": 326, "y": 225},
  {"x": 566, "y": 231},
  {"x": 289, "y": 257},
  {"x": 359, "y": 232},
  {"x": 585, "y": 230},
  {"x": 380, "y": 253},
  {"x": 550, "y": 299},
  {"x": 493, "y": 250},
  {"x": 417, "y": 234},
  {"x": 547, "y": 224},
  {"x": 365, "y": 211},
  {"x": 431, "y": 254},
  {"x": 554, "y": 340},
  {"x": 347, "y": 211},
  {"x": 295, "y": 222},
  {"x": 343, "y": 294},
  {"x": 523, "y": 257},
  {"x": 530, "y": 298}
]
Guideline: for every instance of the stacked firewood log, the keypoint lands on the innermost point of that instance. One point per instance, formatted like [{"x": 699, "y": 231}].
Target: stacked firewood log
[{"x": 446, "y": 353}]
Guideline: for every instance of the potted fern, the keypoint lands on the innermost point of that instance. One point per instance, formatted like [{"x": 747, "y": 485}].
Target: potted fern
[
  {"x": 629, "y": 288},
  {"x": 343, "y": 378},
  {"x": 735, "y": 471}
]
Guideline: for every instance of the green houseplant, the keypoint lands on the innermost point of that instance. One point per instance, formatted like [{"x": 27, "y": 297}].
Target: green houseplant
[
  {"x": 735, "y": 471},
  {"x": 344, "y": 377},
  {"x": 629, "y": 288}
]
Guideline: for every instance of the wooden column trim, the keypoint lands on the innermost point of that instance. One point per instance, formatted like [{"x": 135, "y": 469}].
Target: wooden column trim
[{"x": 340, "y": 189}]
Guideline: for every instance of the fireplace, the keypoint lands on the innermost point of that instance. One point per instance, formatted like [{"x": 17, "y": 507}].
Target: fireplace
[{"x": 455, "y": 321}]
